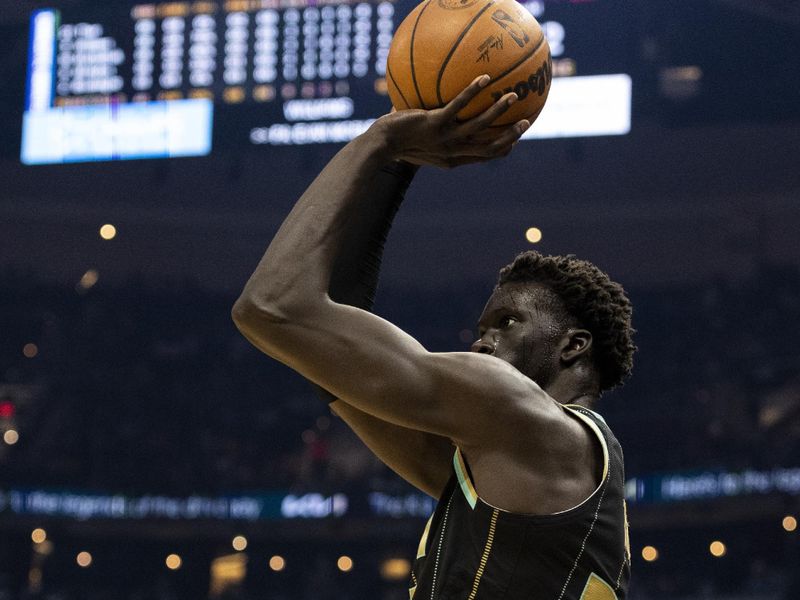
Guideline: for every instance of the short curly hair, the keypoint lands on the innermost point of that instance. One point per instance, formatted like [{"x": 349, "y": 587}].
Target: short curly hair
[{"x": 592, "y": 299}]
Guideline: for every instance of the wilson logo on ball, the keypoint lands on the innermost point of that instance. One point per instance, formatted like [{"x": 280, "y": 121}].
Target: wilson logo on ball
[{"x": 536, "y": 83}]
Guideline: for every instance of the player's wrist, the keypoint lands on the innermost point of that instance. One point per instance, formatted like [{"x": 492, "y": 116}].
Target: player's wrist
[
  {"x": 385, "y": 132},
  {"x": 403, "y": 170}
]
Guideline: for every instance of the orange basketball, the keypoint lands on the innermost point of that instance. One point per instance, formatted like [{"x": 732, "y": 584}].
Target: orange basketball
[{"x": 445, "y": 44}]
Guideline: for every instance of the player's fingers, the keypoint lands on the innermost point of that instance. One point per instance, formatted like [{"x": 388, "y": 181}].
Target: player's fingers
[
  {"x": 499, "y": 145},
  {"x": 511, "y": 136},
  {"x": 452, "y": 108},
  {"x": 490, "y": 115}
]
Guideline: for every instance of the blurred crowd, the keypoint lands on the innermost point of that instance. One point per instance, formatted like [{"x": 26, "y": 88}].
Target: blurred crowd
[{"x": 148, "y": 387}]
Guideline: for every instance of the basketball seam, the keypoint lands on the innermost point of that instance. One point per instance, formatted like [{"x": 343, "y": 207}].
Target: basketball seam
[
  {"x": 413, "y": 70},
  {"x": 389, "y": 72},
  {"x": 453, "y": 49}
]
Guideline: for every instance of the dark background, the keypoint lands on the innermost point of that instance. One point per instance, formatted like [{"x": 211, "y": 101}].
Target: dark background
[{"x": 141, "y": 385}]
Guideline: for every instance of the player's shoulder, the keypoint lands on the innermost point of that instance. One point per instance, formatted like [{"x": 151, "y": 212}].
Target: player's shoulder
[{"x": 493, "y": 376}]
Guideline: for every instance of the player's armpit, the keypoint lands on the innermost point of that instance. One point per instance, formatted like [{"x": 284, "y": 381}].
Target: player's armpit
[
  {"x": 423, "y": 459},
  {"x": 469, "y": 398}
]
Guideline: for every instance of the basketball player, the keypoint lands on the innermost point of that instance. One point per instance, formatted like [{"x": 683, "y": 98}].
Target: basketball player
[{"x": 529, "y": 479}]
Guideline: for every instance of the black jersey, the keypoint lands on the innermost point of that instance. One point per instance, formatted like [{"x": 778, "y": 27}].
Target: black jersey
[{"x": 471, "y": 550}]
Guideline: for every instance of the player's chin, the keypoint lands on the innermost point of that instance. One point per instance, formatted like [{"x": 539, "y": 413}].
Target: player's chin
[{"x": 510, "y": 359}]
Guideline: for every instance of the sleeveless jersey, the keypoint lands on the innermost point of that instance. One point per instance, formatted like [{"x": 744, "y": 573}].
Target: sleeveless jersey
[{"x": 471, "y": 550}]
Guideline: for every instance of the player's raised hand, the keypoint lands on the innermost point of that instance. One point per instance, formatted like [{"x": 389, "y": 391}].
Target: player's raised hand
[{"x": 436, "y": 137}]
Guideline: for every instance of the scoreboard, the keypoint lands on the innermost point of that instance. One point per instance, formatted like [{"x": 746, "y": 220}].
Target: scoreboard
[{"x": 124, "y": 80}]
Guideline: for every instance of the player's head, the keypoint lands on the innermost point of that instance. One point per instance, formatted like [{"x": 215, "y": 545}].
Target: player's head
[{"x": 551, "y": 315}]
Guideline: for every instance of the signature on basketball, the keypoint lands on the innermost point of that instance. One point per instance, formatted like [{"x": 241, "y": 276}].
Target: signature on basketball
[
  {"x": 493, "y": 41},
  {"x": 456, "y": 4},
  {"x": 514, "y": 29}
]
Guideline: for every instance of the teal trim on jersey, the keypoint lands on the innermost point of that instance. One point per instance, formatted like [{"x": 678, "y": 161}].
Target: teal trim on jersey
[
  {"x": 596, "y": 415},
  {"x": 463, "y": 479}
]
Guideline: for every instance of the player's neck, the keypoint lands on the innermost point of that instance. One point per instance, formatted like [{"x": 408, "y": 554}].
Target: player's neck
[
  {"x": 569, "y": 392},
  {"x": 585, "y": 400}
]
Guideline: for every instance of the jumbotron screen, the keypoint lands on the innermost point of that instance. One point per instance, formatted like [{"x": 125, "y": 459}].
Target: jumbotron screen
[{"x": 112, "y": 81}]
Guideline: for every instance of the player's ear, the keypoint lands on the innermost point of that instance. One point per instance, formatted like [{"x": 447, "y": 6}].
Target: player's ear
[{"x": 575, "y": 343}]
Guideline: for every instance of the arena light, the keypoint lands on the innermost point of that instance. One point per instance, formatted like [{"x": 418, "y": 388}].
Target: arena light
[
  {"x": 44, "y": 549},
  {"x": 789, "y": 523},
  {"x": 84, "y": 559},
  {"x": 650, "y": 553},
  {"x": 88, "y": 280},
  {"x": 277, "y": 563},
  {"x": 108, "y": 231},
  {"x": 395, "y": 569},
  {"x": 173, "y": 562},
  {"x": 239, "y": 543},
  {"x": 345, "y": 564},
  {"x": 226, "y": 572},
  {"x": 717, "y": 549},
  {"x": 38, "y": 535},
  {"x": 30, "y": 350},
  {"x": 11, "y": 437},
  {"x": 533, "y": 235}
]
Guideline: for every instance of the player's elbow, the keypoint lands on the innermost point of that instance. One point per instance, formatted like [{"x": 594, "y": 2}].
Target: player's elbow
[
  {"x": 274, "y": 300},
  {"x": 249, "y": 313}
]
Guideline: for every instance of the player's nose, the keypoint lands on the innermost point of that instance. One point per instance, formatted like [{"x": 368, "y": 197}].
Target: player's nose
[{"x": 482, "y": 346}]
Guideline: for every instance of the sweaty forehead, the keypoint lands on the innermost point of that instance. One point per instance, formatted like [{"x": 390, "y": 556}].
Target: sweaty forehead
[{"x": 520, "y": 296}]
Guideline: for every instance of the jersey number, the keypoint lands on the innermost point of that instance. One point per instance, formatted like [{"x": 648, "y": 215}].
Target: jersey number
[{"x": 597, "y": 589}]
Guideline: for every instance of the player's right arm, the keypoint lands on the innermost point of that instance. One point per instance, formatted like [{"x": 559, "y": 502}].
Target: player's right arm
[
  {"x": 285, "y": 310},
  {"x": 422, "y": 459}
]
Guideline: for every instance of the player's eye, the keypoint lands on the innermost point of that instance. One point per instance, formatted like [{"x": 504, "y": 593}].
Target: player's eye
[{"x": 507, "y": 321}]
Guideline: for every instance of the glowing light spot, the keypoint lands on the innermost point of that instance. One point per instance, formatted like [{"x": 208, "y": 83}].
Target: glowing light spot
[
  {"x": 233, "y": 95},
  {"x": 7, "y": 409},
  {"x": 533, "y": 235},
  {"x": 88, "y": 280},
  {"x": 173, "y": 562},
  {"x": 263, "y": 93},
  {"x": 38, "y": 535},
  {"x": 789, "y": 523},
  {"x": 345, "y": 564},
  {"x": 308, "y": 436},
  {"x": 239, "y": 543},
  {"x": 11, "y": 437},
  {"x": 108, "y": 232},
  {"x": 84, "y": 559},
  {"x": 277, "y": 563},
  {"x": 395, "y": 569},
  {"x": 649, "y": 553},
  {"x": 45, "y": 548},
  {"x": 717, "y": 549},
  {"x": 30, "y": 350}
]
